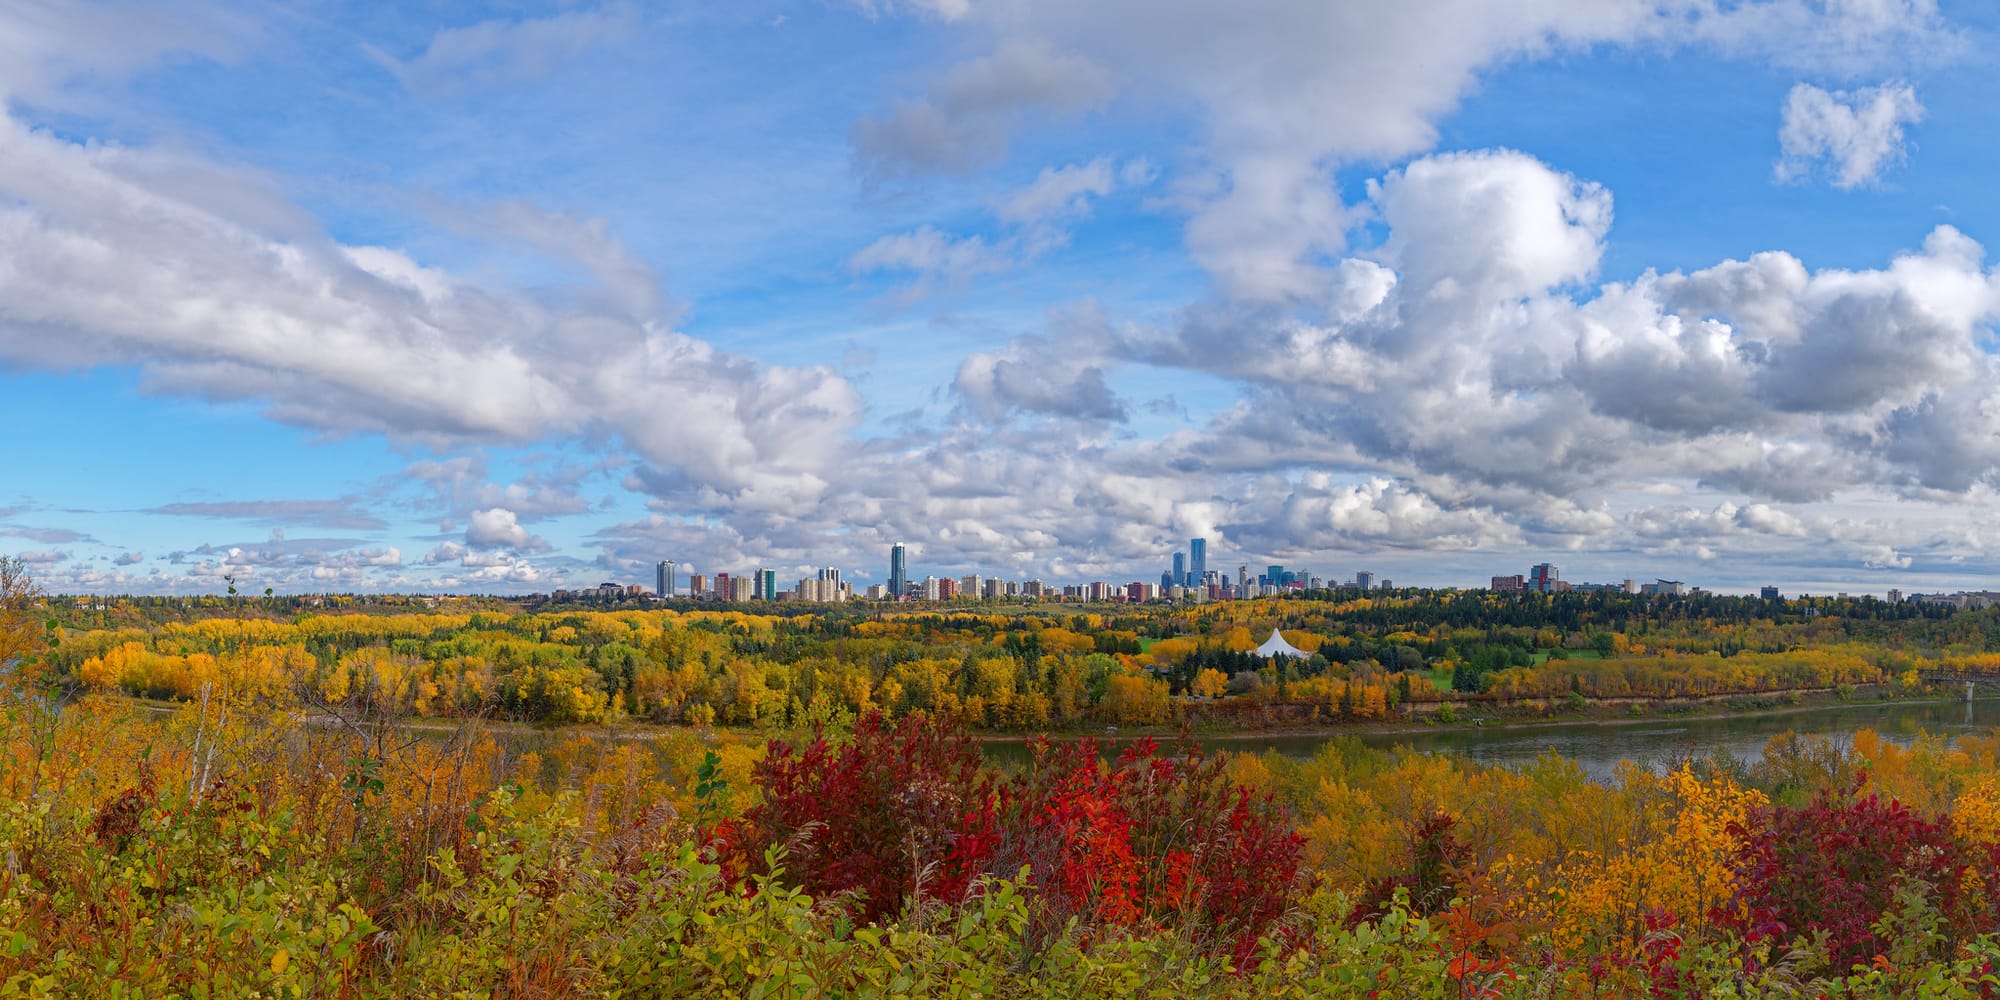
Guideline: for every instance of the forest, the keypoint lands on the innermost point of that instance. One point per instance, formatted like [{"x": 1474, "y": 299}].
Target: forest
[
  {"x": 273, "y": 820},
  {"x": 1018, "y": 668}
]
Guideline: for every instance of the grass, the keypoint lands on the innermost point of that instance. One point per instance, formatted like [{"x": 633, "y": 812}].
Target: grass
[{"x": 1542, "y": 656}]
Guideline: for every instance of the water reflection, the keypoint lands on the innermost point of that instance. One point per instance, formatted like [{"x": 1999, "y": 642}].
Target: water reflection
[{"x": 1653, "y": 742}]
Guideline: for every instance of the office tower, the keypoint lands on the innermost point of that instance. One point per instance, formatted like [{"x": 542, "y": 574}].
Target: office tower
[
  {"x": 1179, "y": 575},
  {"x": 664, "y": 579},
  {"x": 899, "y": 572},
  {"x": 1543, "y": 577},
  {"x": 722, "y": 587},
  {"x": 1242, "y": 575},
  {"x": 1197, "y": 574},
  {"x": 1770, "y": 593},
  {"x": 1364, "y": 580}
]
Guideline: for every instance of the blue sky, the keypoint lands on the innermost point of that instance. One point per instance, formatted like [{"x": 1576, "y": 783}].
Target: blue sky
[{"x": 513, "y": 296}]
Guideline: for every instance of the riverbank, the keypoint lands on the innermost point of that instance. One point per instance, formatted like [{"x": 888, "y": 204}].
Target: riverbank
[{"x": 1598, "y": 713}]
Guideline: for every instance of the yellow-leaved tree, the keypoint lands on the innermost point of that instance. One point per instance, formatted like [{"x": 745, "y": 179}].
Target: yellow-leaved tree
[{"x": 21, "y": 633}]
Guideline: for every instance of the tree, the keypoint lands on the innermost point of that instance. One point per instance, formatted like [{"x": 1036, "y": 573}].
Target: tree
[
  {"x": 21, "y": 629},
  {"x": 1210, "y": 683}
]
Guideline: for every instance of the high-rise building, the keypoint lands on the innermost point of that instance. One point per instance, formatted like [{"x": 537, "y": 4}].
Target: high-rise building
[
  {"x": 767, "y": 584},
  {"x": 1769, "y": 593},
  {"x": 1895, "y": 596},
  {"x": 1364, "y": 580},
  {"x": 722, "y": 588},
  {"x": 697, "y": 585},
  {"x": 664, "y": 581},
  {"x": 1242, "y": 575},
  {"x": 1544, "y": 578},
  {"x": 899, "y": 572},
  {"x": 1178, "y": 578},
  {"x": 1197, "y": 573}
]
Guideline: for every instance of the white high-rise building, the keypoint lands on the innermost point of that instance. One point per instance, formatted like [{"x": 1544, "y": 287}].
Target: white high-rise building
[{"x": 664, "y": 579}]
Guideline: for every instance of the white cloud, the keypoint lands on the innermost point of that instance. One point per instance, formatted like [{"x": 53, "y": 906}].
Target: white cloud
[
  {"x": 964, "y": 120},
  {"x": 1286, "y": 92},
  {"x": 1855, "y": 134},
  {"x": 945, "y": 10},
  {"x": 115, "y": 262},
  {"x": 1037, "y": 218},
  {"x": 499, "y": 528},
  {"x": 496, "y": 52}
]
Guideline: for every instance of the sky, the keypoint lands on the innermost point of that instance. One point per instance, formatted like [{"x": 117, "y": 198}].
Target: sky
[{"x": 507, "y": 297}]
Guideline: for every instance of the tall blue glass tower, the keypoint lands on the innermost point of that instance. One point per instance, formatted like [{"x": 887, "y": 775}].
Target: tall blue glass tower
[
  {"x": 1180, "y": 569},
  {"x": 899, "y": 572},
  {"x": 1197, "y": 561}
]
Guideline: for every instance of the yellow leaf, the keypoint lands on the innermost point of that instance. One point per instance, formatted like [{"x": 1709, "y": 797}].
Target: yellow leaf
[{"x": 279, "y": 960}]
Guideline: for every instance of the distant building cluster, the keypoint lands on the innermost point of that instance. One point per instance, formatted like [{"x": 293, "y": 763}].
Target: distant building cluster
[
  {"x": 1188, "y": 580},
  {"x": 1546, "y": 578}
]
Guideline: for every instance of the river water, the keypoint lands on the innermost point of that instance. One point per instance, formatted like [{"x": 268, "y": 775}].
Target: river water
[{"x": 1599, "y": 747}]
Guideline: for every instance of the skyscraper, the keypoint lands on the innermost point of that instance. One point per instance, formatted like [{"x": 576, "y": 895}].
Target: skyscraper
[
  {"x": 1197, "y": 561},
  {"x": 899, "y": 572},
  {"x": 665, "y": 579},
  {"x": 767, "y": 584},
  {"x": 1364, "y": 580},
  {"x": 1179, "y": 574}
]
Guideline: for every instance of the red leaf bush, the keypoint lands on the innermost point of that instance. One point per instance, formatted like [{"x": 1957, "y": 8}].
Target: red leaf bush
[{"x": 907, "y": 810}]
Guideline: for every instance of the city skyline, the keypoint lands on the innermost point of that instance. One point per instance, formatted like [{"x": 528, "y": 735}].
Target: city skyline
[{"x": 485, "y": 297}]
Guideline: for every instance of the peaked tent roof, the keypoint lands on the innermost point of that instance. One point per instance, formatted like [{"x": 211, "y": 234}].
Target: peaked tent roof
[{"x": 1277, "y": 646}]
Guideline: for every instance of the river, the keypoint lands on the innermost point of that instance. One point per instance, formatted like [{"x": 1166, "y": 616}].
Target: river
[{"x": 1600, "y": 746}]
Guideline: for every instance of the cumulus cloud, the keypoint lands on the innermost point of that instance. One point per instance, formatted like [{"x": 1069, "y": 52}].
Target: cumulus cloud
[
  {"x": 458, "y": 486},
  {"x": 1286, "y": 92},
  {"x": 1029, "y": 378},
  {"x": 129, "y": 559},
  {"x": 1855, "y": 135},
  {"x": 499, "y": 528},
  {"x": 116, "y": 260}
]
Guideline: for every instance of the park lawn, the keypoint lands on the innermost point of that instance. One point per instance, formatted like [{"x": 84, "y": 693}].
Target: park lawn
[{"x": 1542, "y": 655}]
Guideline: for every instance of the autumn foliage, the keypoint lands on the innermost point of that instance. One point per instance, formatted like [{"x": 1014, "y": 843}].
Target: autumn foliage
[{"x": 906, "y": 810}]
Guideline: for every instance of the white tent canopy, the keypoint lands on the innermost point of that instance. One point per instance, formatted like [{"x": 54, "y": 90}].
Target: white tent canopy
[{"x": 1277, "y": 646}]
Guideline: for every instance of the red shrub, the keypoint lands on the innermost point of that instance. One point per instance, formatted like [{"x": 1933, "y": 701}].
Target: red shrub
[
  {"x": 873, "y": 815},
  {"x": 1145, "y": 838},
  {"x": 1835, "y": 865}
]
